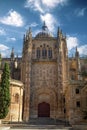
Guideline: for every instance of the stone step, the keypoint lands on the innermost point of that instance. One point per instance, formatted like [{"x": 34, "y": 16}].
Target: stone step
[
  {"x": 58, "y": 127},
  {"x": 45, "y": 129},
  {"x": 48, "y": 121},
  {"x": 41, "y": 123}
]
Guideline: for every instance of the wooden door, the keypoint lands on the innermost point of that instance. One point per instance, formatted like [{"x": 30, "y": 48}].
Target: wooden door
[{"x": 43, "y": 109}]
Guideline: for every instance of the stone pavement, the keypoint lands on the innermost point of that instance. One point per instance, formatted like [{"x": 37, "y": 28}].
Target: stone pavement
[{"x": 45, "y": 127}]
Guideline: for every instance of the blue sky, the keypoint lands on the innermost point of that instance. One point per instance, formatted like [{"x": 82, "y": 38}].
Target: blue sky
[{"x": 17, "y": 16}]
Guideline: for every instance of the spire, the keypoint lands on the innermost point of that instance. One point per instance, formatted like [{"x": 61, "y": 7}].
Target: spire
[
  {"x": 59, "y": 33},
  {"x": 58, "y": 30},
  {"x": 28, "y": 34},
  {"x": 30, "y": 31},
  {"x": 24, "y": 38},
  {"x": 12, "y": 54},
  {"x": 44, "y": 27},
  {"x": 77, "y": 53}
]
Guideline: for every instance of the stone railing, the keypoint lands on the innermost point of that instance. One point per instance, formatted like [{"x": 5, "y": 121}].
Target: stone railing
[{"x": 16, "y": 82}]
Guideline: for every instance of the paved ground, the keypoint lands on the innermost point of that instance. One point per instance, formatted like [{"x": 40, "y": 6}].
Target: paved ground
[
  {"x": 50, "y": 128},
  {"x": 46, "y": 127},
  {"x": 41, "y": 129},
  {"x": 35, "y": 127},
  {"x": 75, "y": 127}
]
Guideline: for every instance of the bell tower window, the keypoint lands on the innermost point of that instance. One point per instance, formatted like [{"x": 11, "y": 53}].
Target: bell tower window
[
  {"x": 44, "y": 53},
  {"x": 50, "y": 53},
  {"x": 38, "y": 52}
]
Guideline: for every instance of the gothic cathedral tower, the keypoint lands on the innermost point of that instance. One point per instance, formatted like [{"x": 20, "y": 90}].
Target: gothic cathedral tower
[{"x": 44, "y": 74}]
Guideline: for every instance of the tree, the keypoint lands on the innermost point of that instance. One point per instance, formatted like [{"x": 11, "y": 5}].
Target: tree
[{"x": 5, "y": 92}]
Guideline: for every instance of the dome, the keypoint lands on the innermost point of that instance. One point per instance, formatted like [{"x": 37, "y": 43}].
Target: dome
[{"x": 44, "y": 33}]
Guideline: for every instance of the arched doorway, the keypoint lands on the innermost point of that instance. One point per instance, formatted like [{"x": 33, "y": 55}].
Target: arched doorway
[{"x": 43, "y": 109}]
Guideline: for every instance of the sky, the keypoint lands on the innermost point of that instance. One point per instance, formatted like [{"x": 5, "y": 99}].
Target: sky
[{"x": 16, "y": 16}]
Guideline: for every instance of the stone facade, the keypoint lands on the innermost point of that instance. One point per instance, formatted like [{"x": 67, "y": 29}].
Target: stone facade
[
  {"x": 45, "y": 62},
  {"x": 53, "y": 83}
]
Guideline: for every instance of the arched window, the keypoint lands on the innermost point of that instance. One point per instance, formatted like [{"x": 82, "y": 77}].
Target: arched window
[
  {"x": 72, "y": 77},
  {"x": 44, "y": 53},
  {"x": 77, "y": 91},
  {"x": 38, "y": 52},
  {"x": 17, "y": 98},
  {"x": 50, "y": 53}
]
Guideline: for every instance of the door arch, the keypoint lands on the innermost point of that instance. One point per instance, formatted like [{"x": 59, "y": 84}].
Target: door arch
[{"x": 43, "y": 109}]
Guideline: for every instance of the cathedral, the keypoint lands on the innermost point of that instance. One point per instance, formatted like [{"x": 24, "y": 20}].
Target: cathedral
[{"x": 45, "y": 81}]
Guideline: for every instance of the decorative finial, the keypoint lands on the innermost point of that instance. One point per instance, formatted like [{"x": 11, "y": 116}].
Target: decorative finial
[
  {"x": 12, "y": 49},
  {"x": 44, "y": 27},
  {"x": 58, "y": 31},
  {"x": 30, "y": 30}
]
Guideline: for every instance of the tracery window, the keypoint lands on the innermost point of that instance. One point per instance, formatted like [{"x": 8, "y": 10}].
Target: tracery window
[
  {"x": 44, "y": 53},
  {"x": 50, "y": 53},
  {"x": 38, "y": 52}
]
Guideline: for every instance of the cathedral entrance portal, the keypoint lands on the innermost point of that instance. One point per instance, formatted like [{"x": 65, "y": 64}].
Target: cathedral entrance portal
[{"x": 43, "y": 109}]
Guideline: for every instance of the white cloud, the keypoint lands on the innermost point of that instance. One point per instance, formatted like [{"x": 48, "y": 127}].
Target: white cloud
[
  {"x": 83, "y": 50},
  {"x": 3, "y": 47},
  {"x": 72, "y": 42},
  {"x": 35, "y": 5},
  {"x": 38, "y": 6},
  {"x": 43, "y": 5},
  {"x": 34, "y": 24},
  {"x": 4, "y": 50},
  {"x": 80, "y": 12},
  {"x": 5, "y": 53},
  {"x": 11, "y": 39},
  {"x": 50, "y": 21},
  {"x": 53, "y": 3},
  {"x": 2, "y": 32},
  {"x": 13, "y": 18}
]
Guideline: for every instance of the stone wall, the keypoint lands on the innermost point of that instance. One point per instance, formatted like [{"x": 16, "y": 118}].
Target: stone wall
[{"x": 15, "y": 109}]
